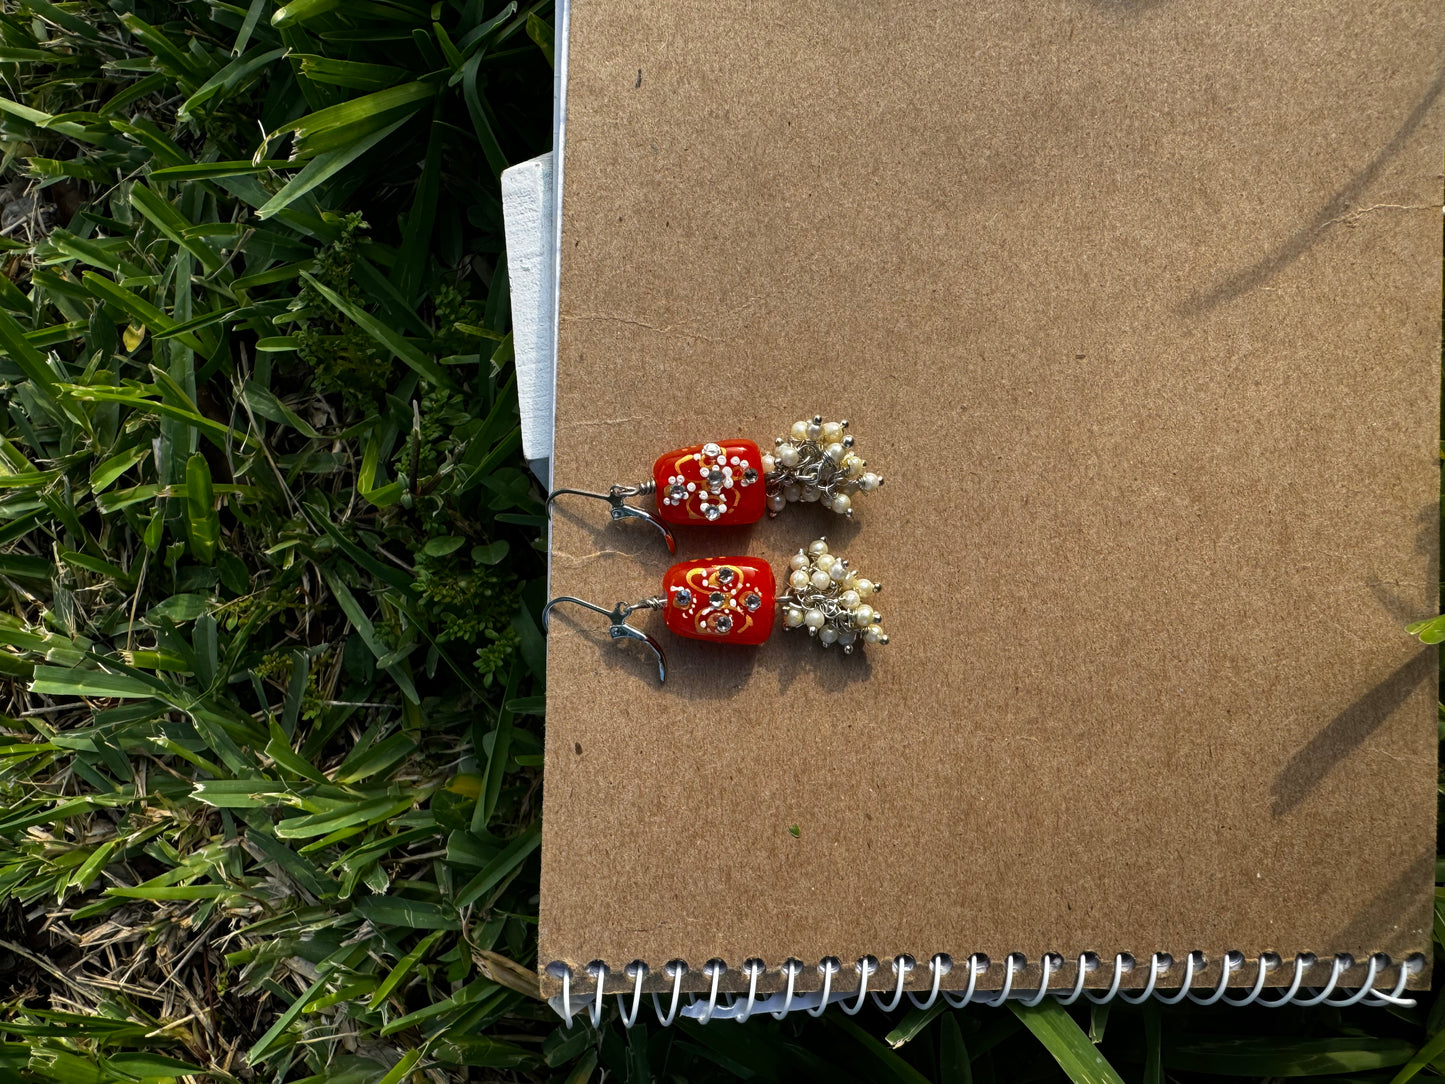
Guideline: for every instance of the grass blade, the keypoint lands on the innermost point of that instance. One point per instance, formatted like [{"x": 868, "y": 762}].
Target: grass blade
[
  {"x": 74, "y": 681},
  {"x": 1080, "y": 1059},
  {"x": 954, "y": 1066},
  {"x": 881, "y": 1062},
  {"x": 399, "y": 347},
  {"x": 339, "y": 125},
  {"x": 404, "y": 1065},
  {"x": 31, "y": 361},
  {"x": 402, "y": 969},
  {"x": 511, "y": 857},
  {"x": 203, "y": 525},
  {"x": 298, "y": 11},
  {"x": 1296, "y": 1058},
  {"x": 285, "y": 1020},
  {"x": 322, "y": 168}
]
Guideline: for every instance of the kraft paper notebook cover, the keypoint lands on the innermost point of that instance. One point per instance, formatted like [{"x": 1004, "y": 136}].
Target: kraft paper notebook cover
[{"x": 1136, "y": 305}]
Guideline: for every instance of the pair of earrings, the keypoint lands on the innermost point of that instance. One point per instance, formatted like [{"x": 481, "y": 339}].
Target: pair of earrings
[{"x": 734, "y": 599}]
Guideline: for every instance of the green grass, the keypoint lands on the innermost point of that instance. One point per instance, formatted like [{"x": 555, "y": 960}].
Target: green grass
[{"x": 271, "y": 666}]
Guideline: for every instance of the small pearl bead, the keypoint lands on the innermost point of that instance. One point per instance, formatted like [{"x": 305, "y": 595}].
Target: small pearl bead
[
  {"x": 814, "y": 619},
  {"x": 820, "y": 579},
  {"x": 810, "y": 495},
  {"x": 792, "y": 493},
  {"x": 847, "y": 636},
  {"x": 787, "y": 455},
  {"x": 873, "y": 634},
  {"x": 832, "y": 432},
  {"x": 815, "y": 430},
  {"x": 863, "y": 616},
  {"x": 770, "y": 464},
  {"x": 839, "y": 572},
  {"x": 818, "y": 547},
  {"x": 849, "y": 600},
  {"x": 824, "y": 561},
  {"x": 850, "y": 582},
  {"x": 869, "y": 482},
  {"x": 828, "y": 635},
  {"x": 842, "y": 503},
  {"x": 792, "y": 617},
  {"x": 799, "y": 431},
  {"x": 835, "y": 452},
  {"x": 799, "y": 581},
  {"x": 776, "y": 502},
  {"x": 864, "y": 587},
  {"x": 852, "y": 466},
  {"x": 798, "y": 561}
]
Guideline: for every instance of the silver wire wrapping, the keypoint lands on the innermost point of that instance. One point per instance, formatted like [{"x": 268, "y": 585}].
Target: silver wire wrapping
[
  {"x": 816, "y": 462},
  {"x": 826, "y": 597}
]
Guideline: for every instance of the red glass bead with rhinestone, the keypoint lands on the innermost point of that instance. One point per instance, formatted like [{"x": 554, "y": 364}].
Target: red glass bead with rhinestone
[
  {"x": 718, "y": 482},
  {"x": 722, "y": 598}
]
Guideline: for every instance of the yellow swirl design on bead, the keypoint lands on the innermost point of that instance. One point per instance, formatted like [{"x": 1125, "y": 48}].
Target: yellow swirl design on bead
[{"x": 705, "y": 583}]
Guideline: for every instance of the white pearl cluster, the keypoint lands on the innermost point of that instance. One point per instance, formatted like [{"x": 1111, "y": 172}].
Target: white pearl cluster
[
  {"x": 816, "y": 462},
  {"x": 830, "y": 600}
]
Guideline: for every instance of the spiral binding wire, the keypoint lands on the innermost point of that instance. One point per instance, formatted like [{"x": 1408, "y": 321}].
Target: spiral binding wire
[{"x": 703, "y": 1009}]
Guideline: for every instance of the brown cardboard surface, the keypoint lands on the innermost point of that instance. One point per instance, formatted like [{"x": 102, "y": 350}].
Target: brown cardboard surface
[{"x": 1136, "y": 307}]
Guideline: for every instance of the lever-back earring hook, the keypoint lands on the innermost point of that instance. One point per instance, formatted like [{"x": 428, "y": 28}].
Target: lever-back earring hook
[
  {"x": 619, "y": 629},
  {"x": 616, "y": 497}
]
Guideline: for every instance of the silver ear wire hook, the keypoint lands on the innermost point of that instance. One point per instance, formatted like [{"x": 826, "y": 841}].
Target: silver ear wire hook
[
  {"x": 616, "y": 496},
  {"x": 619, "y": 629}
]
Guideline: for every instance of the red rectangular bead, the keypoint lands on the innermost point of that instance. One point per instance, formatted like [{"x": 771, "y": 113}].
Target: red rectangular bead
[
  {"x": 719, "y": 482},
  {"x": 722, "y": 598}
]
